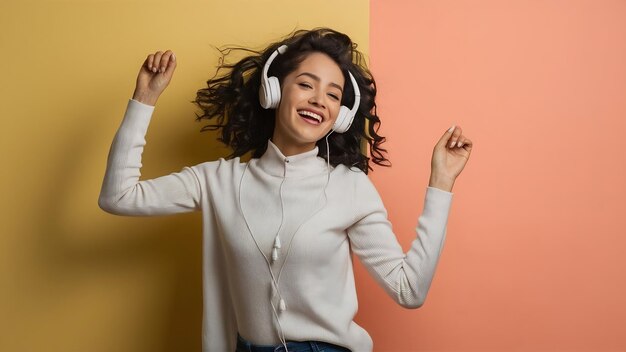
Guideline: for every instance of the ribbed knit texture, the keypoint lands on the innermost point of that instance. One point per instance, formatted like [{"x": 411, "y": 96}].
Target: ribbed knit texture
[{"x": 314, "y": 269}]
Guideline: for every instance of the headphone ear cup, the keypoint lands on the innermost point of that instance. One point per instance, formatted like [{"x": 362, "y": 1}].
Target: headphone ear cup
[
  {"x": 274, "y": 91},
  {"x": 264, "y": 97},
  {"x": 343, "y": 121}
]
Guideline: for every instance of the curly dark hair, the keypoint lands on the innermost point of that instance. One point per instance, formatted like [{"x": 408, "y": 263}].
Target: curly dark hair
[{"x": 234, "y": 97}]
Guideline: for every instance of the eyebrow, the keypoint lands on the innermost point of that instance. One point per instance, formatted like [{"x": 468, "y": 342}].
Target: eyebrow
[{"x": 318, "y": 79}]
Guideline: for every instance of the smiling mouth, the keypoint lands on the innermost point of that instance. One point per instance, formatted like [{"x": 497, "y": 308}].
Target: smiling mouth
[{"x": 310, "y": 117}]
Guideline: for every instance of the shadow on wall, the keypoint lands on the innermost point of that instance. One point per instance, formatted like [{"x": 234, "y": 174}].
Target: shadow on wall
[{"x": 81, "y": 250}]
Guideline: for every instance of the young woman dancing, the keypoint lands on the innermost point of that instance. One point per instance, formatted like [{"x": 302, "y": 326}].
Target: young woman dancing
[{"x": 279, "y": 230}]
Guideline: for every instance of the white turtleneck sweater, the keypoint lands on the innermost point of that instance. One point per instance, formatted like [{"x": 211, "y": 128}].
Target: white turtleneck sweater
[{"x": 318, "y": 231}]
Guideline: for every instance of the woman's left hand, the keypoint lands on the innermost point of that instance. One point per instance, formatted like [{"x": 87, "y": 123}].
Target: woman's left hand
[{"x": 450, "y": 155}]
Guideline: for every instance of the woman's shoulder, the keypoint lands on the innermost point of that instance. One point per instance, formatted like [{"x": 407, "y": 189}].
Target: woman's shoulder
[
  {"x": 349, "y": 171},
  {"x": 350, "y": 175},
  {"x": 358, "y": 181},
  {"x": 220, "y": 166}
]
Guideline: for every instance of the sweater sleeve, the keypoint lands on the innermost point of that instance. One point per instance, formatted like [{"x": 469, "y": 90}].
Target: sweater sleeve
[
  {"x": 404, "y": 277},
  {"x": 123, "y": 194}
]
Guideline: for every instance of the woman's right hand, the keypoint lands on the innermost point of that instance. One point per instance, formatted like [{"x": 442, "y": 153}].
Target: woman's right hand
[{"x": 154, "y": 76}]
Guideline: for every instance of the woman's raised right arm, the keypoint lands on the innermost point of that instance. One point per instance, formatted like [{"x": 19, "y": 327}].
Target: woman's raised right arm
[{"x": 122, "y": 193}]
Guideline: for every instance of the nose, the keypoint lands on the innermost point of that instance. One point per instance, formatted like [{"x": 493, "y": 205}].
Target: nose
[{"x": 316, "y": 99}]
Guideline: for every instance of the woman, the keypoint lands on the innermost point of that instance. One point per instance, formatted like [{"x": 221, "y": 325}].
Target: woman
[{"x": 299, "y": 207}]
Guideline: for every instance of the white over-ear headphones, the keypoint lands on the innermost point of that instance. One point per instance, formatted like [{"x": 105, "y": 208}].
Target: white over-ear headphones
[{"x": 269, "y": 95}]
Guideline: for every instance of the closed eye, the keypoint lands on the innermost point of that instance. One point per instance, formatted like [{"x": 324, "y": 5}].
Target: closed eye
[{"x": 308, "y": 86}]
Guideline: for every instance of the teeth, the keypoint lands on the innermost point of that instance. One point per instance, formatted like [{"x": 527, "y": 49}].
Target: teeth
[{"x": 313, "y": 115}]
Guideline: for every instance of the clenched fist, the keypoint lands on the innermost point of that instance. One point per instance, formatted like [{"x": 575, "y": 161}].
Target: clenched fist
[{"x": 154, "y": 76}]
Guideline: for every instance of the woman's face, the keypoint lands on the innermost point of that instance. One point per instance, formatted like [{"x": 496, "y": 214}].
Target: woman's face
[{"x": 315, "y": 86}]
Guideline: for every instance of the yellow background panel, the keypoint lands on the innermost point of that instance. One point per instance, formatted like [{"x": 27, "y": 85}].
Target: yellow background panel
[{"x": 75, "y": 278}]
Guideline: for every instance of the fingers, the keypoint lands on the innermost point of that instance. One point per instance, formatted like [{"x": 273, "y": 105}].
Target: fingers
[
  {"x": 170, "y": 64},
  {"x": 461, "y": 142},
  {"x": 151, "y": 63},
  {"x": 467, "y": 143},
  {"x": 454, "y": 138},
  {"x": 161, "y": 61}
]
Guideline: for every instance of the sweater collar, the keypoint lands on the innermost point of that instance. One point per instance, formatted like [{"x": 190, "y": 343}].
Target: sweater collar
[{"x": 275, "y": 163}]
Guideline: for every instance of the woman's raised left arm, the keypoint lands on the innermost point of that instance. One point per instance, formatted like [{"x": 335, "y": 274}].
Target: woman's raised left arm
[{"x": 406, "y": 277}]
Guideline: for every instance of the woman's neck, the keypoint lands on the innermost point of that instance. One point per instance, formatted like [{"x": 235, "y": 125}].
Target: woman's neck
[{"x": 289, "y": 149}]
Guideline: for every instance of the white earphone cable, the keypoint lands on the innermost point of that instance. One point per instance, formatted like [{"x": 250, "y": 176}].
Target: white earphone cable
[
  {"x": 282, "y": 338},
  {"x": 325, "y": 202},
  {"x": 275, "y": 281}
]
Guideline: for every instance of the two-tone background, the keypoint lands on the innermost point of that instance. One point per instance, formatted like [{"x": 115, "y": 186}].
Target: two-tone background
[{"x": 535, "y": 258}]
